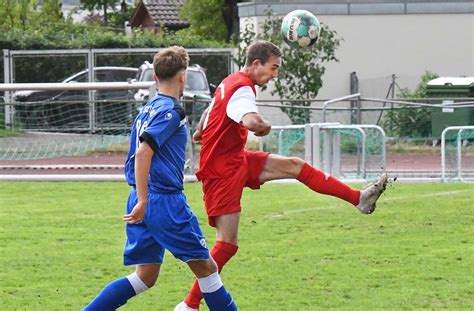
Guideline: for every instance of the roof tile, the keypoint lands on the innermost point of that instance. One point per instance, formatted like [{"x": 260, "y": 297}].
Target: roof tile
[{"x": 165, "y": 12}]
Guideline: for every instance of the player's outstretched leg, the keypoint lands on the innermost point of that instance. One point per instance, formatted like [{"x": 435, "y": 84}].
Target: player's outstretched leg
[
  {"x": 370, "y": 195},
  {"x": 324, "y": 183},
  {"x": 365, "y": 200},
  {"x": 277, "y": 167}
]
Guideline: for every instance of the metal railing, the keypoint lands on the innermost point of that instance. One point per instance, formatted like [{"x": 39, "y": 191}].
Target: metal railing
[
  {"x": 460, "y": 130},
  {"x": 337, "y": 100},
  {"x": 77, "y": 86},
  {"x": 326, "y": 155}
]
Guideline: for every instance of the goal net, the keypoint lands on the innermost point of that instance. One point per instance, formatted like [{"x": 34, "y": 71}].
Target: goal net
[{"x": 47, "y": 130}]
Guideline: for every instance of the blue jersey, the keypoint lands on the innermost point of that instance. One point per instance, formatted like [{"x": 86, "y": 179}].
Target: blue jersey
[{"x": 162, "y": 124}]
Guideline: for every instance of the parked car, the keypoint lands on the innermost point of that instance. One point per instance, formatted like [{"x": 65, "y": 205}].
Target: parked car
[
  {"x": 101, "y": 74},
  {"x": 69, "y": 110},
  {"x": 196, "y": 86}
]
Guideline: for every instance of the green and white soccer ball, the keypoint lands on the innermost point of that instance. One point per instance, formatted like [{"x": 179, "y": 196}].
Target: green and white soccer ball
[{"x": 300, "y": 29}]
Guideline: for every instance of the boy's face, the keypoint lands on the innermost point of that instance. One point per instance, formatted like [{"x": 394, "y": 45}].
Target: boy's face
[{"x": 268, "y": 71}]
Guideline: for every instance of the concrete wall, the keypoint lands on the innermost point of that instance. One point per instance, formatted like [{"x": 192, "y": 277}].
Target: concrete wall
[{"x": 376, "y": 46}]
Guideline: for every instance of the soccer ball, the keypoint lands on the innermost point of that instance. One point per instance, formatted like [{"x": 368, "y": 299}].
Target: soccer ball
[{"x": 300, "y": 29}]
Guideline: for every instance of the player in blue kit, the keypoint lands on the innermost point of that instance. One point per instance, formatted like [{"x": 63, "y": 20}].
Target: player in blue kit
[{"x": 158, "y": 216}]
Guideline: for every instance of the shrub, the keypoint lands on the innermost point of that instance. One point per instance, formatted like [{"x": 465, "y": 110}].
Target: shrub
[{"x": 411, "y": 122}]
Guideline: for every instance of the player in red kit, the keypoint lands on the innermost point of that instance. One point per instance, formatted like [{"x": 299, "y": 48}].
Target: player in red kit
[{"x": 226, "y": 167}]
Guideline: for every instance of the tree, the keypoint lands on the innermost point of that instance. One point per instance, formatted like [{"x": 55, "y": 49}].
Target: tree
[
  {"x": 24, "y": 10},
  {"x": 51, "y": 11},
  {"x": 24, "y": 14},
  {"x": 7, "y": 14},
  {"x": 231, "y": 20},
  {"x": 99, "y": 5},
  {"x": 302, "y": 70},
  {"x": 205, "y": 17},
  {"x": 212, "y": 19},
  {"x": 118, "y": 18}
]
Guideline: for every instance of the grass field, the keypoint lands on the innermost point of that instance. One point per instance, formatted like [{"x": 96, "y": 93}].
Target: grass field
[{"x": 62, "y": 242}]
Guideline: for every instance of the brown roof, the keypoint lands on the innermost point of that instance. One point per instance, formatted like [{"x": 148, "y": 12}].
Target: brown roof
[{"x": 165, "y": 12}]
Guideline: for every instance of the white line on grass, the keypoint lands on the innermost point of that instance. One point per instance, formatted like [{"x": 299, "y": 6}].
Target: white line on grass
[
  {"x": 302, "y": 210},
  {"x": 430, "y": 194}
]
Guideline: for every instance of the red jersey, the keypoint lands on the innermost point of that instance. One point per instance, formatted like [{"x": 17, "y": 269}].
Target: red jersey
[{"x": 223, "y": 139}]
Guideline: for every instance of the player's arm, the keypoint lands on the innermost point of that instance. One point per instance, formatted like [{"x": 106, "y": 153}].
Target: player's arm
[
  {"x": 142, "y": 170},
  {"x": 197, "y": 136},
  {"x": 255, "y": 123},
  {"x": 242, "y": 108}
]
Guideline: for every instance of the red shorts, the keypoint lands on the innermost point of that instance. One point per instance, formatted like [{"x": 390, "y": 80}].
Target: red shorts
[{"x": 222, "y": 195}]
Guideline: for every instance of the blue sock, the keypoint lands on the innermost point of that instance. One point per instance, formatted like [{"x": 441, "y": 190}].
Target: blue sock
[
  {"x": 112, "y": 296},
  {"x": 220, "y": 300},
  {"x": 216, "y": 296}
]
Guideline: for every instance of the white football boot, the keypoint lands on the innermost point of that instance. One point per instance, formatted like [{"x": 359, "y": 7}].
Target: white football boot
[
  {"x": 370, "y": 195},
  {"x": 182, "y": 306}
]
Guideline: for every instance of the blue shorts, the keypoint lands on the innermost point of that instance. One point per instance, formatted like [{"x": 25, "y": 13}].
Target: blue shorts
[{"x": 168, "y": 224}]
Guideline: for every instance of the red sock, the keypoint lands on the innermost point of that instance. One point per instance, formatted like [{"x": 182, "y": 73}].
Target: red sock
[
  {"x": 321, "y": 182},
  {"x": 222, "y": 252}
]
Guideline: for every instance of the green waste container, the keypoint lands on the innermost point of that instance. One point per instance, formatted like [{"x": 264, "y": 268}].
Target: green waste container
[{"x": 453, "y": 88}]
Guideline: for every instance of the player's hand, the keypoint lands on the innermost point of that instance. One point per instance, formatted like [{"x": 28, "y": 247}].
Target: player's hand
[
  {"x": 197, "y": 137},
  {"x": 137, "y": 214}
]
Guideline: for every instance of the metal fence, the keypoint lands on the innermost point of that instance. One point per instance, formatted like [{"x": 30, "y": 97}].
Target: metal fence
[{"x": 52, "y": 66}]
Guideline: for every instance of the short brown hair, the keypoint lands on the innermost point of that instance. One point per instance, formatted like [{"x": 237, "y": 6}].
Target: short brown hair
[
  {"x": 261, "y": 50},
  {"x": 168, "y": 62}
]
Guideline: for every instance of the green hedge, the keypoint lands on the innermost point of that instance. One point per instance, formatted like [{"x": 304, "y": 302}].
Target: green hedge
[
  {"x": 66, "y": 35},
  {"x": 71, "y": 36}
]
